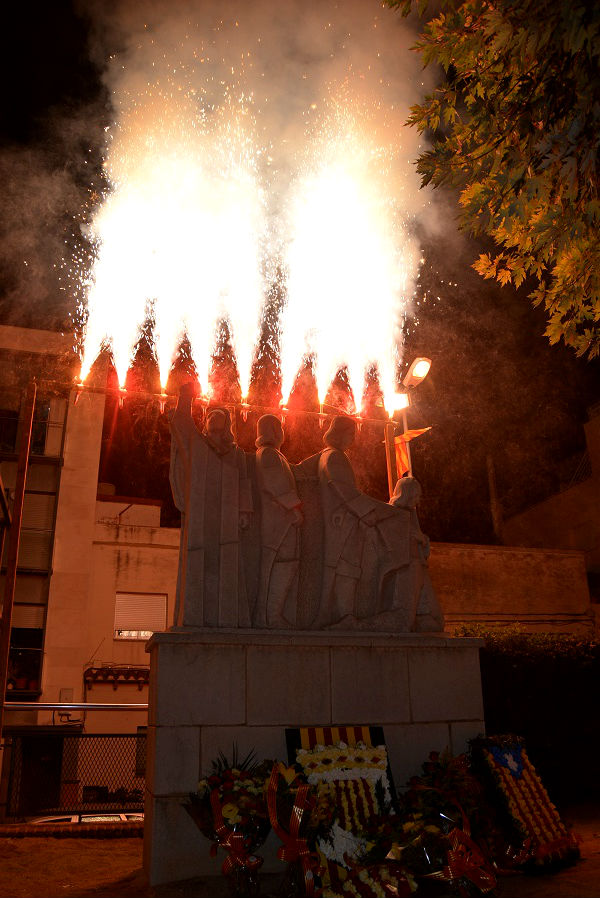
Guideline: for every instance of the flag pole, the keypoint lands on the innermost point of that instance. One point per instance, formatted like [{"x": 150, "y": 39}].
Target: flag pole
[
  {"x": 390, "y": 456},
  {"x": 407, "y": 443}
]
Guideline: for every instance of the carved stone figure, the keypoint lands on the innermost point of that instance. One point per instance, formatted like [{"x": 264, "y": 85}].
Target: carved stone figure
[
  {"x": 413, "y": 591},
  {"x": 280, "y": 518},
  {"x": 348, "y": 514},
  {"x": 374, "y": 574},
  {"x": 211, "y": 489}
]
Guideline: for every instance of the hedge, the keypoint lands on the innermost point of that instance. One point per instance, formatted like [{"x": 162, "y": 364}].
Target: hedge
[{"x": 545, "y": 687}]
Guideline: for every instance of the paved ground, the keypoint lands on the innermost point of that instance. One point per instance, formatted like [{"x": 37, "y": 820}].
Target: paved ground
[{"x": 47, "y": 867}]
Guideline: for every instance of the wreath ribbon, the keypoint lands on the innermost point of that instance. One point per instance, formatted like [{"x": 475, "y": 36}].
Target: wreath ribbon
[
  {"x": 464, "y": 857},
  {"x": 233, "y": 842},
  {"x": 294, "y": 848},
  {"x": 514, "y": 856}
]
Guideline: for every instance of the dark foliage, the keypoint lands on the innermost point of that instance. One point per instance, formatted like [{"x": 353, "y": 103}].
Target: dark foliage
[{"x": 546, "y": 688}]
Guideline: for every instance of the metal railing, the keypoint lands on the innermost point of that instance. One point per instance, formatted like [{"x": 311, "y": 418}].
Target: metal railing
[{"x": 73, "y": 706}]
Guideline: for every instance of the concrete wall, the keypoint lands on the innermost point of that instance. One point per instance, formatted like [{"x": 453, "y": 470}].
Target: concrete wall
[
  {"x": 570, "y": 519},
  {"x": 128, "y": 558},
  {"x": 543, "y": 589},
  {"x": 67, "y": 633},
  {"x": 27, "y": 339}
]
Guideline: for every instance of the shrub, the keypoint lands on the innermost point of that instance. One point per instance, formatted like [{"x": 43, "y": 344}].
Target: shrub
[{"x": 545, "y": 687}]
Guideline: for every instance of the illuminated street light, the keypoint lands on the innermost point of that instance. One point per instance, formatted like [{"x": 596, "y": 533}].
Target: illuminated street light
[{"x": 417, "y": 372}]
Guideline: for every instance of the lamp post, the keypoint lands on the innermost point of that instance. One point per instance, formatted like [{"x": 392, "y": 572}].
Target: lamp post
[{"x": 417, "y": 372}]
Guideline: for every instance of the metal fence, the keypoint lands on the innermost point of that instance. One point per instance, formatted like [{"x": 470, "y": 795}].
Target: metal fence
[{"x": 56, "y": 773}]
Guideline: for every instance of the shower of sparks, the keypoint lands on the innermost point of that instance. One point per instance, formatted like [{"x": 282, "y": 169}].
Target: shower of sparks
[
  {"x": 222, "y": 181},
  {"x": 178, "y": 236},
  {"x": 350, "y": 264}
]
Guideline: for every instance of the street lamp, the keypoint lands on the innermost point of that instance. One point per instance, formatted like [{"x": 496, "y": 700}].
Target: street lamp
[{"x": 417, "y": 372}]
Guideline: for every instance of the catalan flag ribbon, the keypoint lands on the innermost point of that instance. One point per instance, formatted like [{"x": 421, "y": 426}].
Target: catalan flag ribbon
[{"x": 400, "y": 442}]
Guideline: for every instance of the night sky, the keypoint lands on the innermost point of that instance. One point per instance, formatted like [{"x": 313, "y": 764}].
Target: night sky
[{"x": 496, "y": 386}]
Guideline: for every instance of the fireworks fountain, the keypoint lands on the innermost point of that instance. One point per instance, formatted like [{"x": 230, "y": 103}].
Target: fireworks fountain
[
  {"x": 180, "y": 231},
  {"x": 209, "y": 197},
  {"x": 350, "y": 265}
]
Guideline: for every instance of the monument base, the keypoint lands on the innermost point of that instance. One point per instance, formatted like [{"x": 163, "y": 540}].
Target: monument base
[{"x": 211, "y": 689}]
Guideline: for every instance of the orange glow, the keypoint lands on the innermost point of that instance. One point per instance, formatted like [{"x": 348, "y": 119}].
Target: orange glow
[{"x": 395, "y": 402}]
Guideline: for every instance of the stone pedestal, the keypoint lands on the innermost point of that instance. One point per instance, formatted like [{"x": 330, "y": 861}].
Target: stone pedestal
[{"x": 212, "y": 688}]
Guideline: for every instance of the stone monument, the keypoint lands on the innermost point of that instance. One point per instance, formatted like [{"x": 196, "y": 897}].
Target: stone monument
[
  {"x": 301, "y": 601},
  {"x": 372, "y": 570}
]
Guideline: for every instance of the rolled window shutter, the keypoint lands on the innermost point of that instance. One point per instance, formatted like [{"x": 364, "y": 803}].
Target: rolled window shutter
[{"x": 137, "y": 611}]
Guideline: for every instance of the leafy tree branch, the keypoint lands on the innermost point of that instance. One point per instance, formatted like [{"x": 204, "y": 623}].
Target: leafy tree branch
[{"x": 515, "y": 126}]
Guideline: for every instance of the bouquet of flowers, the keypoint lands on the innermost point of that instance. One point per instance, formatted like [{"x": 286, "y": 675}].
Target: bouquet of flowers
[
  {"x": 440, "y": 809},
  {"x": 230, "y": 809},
  {"x": 300, "y": 815}
]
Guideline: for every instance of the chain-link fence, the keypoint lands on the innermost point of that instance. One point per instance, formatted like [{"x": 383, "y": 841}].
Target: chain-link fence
[{"x": 56, "y": 773}]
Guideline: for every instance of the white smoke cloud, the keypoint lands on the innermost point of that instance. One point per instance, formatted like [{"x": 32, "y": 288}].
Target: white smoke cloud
[
  {"x": 288, "y": 56},
  {"x": 176, "y": 70}
]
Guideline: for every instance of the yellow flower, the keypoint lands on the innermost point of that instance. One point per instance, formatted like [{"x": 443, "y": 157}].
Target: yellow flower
[
  {"x": 288, "y": 773},
  {"x": 230, "y": 813}
]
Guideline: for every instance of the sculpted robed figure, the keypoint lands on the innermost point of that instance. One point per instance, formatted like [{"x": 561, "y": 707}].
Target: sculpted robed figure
[
  {"x": 280, "y": 520},
  {"x": 211, "y": 489}
]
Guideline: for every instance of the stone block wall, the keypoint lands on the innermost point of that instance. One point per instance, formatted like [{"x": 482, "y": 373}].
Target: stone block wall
[
  {"x": 212, "y": 689},
  {"x": 541, "y": 589}
]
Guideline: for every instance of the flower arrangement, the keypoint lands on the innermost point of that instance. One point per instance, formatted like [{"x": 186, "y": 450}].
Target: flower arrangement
[
  {"x": 230, "y": 809},
  {"x": 308, "y": 819},
  {"x": 298, "y": 816},
  {"x": 541, "y": 836},
  {"x": 353, "y": 854},
  {"x": 441, "y": 810},
  {"x": 338, "y": 762},
  {"x": 341, "y": 837}
]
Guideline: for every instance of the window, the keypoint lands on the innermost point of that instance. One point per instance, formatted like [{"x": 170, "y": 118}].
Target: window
[
  {"x": 25, "y": 656},
  {"x": 139, "y": 614}
]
